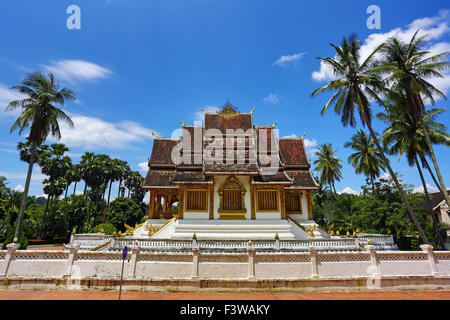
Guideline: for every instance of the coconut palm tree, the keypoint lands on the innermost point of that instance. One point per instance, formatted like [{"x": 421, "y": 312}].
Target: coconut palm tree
[
  {"x": 328, "y": 166},
  {"x": 404, "y": 136},
  {"x": 366, "y": 159},
  {"x": 39, "y": 114},
  {"x": 408, "y": 67},
  {"x": 355, "y": 85}
]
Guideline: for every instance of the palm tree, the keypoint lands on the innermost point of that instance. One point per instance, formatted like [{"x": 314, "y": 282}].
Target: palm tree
[
  {"x": 366, "y": 159},
  {"x": 124, "y": 171},
  {"x": 40, "y": 115},
  {"x": 74, "y": 176},
  {"x": 408, "y": 67},
  {"x": 115, "y": 174},
  {"x": 405, "y": 136},
  {"x": 55, "y": 165},
  {"x": 355, "y": 86},
  {"x": 328, "y": 166}
]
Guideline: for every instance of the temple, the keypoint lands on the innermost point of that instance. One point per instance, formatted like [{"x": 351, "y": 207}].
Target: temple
[{"x": 229, "y": 179}]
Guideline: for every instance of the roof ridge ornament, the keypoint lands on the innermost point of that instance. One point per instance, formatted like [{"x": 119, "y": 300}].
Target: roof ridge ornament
[
  {"x": 274, "y": 124},
  {"x": 182, "y": 124},
  {"x": 303, "y": 136},
  {"x": 228, "y": 110},
  {"x": 154, "y": 135},
  {"x": 251, "y": 112}
]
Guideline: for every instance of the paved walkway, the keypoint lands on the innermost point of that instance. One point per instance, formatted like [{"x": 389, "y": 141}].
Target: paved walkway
[{"x": 114, "y": 295}]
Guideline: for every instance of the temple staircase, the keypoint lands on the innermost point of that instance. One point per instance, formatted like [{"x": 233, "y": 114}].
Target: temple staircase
[{"x": 184, "y": 229}]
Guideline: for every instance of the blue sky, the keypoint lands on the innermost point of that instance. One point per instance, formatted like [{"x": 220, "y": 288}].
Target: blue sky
[{"x": 141, "y": 66}]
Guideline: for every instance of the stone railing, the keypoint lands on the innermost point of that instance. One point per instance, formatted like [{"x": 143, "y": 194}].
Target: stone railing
[
  {"x": 367, "y": 269},
  {"x": 90, "y": 241},
  {"x": 348, "y": 244}
]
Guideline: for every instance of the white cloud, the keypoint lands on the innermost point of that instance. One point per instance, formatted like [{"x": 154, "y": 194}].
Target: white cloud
[
  {"x": 6, "y": 96},
  {"x": 349, "y": 190},
  {"x": 285, "y": 61},
  {"x": 435, "y": 27},
  {"x": 271, "y": 98},
  {"x": 90, "y": 133},
  {"x": 19, "y": 188},
  {"x": 14, "y": 151},
  {"x": 385, "y": 176},
  {"x": 36, "y": 176},
  {"x": 143, "y": 166},
  {"x": 77, "y": 70},
  {"x": 430, "y": 189}
]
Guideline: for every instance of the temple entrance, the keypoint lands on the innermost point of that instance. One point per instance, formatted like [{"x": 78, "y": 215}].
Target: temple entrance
[{"x": 232, "y": 203}]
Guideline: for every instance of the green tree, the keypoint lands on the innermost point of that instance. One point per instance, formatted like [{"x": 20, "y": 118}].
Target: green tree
[
  {"x": 328, "y": 166},
  {"x": 123, "y": 210},
  {"x": 408, "y": 67},
  {"x": 55, "y": 164},
  {"x": 73, "y": 175},
  {"x": 40, "y": 115},
  {"x": 357, "y": 83},
  {"x": 366, "y": 159}
]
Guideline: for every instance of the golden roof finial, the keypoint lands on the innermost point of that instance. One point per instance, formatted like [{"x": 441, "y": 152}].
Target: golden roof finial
[
  {"x": 251, "y": 112},
  {"x": 303, "y": 136},
  {"x": 204, "y": 111},
  {"x": 182, "y": 124},
  {"x": 274, "y": 124},
  {"x": 154, "y": 135}
]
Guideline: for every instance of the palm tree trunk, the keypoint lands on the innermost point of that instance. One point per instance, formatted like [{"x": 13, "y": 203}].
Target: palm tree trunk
[
  {"x": 397, "y": 183},
  {"x": 424, "y": 161},
  {"x": 67, "y": 188},
  {"x": 129, "y": 193},
  {"x": 120, "y": 183},
  {"x": 103, "y": 199},
  {"x": 433, "y": 157},
  {"x": 441, "y": 243},
  {"x": 373, "y": 184},
  {"x": 85, "y": 188},
  {"x": 41, "y": 229},
  {"x": 109, "y": 192},
  {"x": 25, "y": 191},
  {"x": 74, "y": 188},
  {"x": 416, "y": 104}
]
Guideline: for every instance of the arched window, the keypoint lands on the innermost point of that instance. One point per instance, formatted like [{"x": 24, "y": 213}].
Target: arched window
[{"x": 232, "y": 203}]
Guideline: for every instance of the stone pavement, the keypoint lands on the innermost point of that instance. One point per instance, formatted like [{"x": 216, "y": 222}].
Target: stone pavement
[{"x": 114, "y": 295}]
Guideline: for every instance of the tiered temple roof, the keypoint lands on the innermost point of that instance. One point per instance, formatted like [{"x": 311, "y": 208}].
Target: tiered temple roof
[{"x": 254, "y": 151}]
